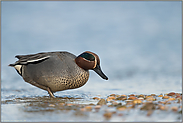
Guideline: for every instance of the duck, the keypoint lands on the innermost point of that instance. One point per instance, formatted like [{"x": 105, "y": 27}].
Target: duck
[{"x": 57, "y": 71}]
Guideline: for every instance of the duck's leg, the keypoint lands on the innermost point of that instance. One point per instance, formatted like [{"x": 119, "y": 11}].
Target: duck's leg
[
  {"x": 50, "y": 92},
  {"x": 42, "y": 87}
]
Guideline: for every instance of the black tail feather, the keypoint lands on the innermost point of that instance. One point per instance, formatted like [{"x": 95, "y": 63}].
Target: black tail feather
[{"x": 12, "y": 65}]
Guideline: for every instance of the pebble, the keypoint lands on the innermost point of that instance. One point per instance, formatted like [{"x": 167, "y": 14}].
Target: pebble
[
  {"x": 150, "y": 99},
  {"x": 165, "y": 97},
  {"x": 132, "y": 98},
  {"x": 148, "y": 106},
  {"x": 118, "y": 95},
  {"x": 123, "y": 95},
  {"x": 102, "y": 102},
  {"x": 137, "y": 101},
  {"x": 113, "y": 95},
  {"x": 88, "y": 108},
  {"x": 174, "y": 108},
  {"x": 131, "y": 95},
  {"x": 153, "y": 94},
  {"x": 121, "y": 98},
  {"x": 110, "y": 98},
  {"x": 141, "y": 96},
  {"x": 171, "y": 99},
  {"x": 171, "y": 94},
  {"x": 107, "y": 115},
  {"x": 96, "y": 98},
  {"x": 149, "y": 96},
  {"x": 160, "y": 96},
  {"x": 121, "y": 108}
]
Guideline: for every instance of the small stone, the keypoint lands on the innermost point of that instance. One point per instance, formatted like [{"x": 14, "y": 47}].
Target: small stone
[
  {"x": 102, "y": 102},
  {"x": 160, "y": 96},
  {"x": 113, "y": 95},
  {"x": 150, "y": 99},
  {"x": 137, "y": 101},
  {"x": 88, "y": 108},
  {"x": 141, "y": 96},
  {"x": 149, "y": 96},
  {"x": 118, "y": 95},
  {"x": 121, "y": 98},
  {"x": 131, "y": 95},
  {"x": 165, "y": 97},
  {"x": 174, "y": 108},
  {"x": 107, "y": 115},
  {"x": 96, "y": 98},
  {"x": 171, "y": 94},
  {"x": 148, "y": 106},
  {"x": 132, "y": 98},
  {"x": 121, "y": 108},
  {"x": 124, "y": 95},
  {"x": 170, "y": 99},
  {"x": 110, "y": 98},
  {"x": 153, "y": 94}
]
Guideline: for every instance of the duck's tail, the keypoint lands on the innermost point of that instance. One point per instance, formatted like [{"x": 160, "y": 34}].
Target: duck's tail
[{"x": 11, "y": 65}]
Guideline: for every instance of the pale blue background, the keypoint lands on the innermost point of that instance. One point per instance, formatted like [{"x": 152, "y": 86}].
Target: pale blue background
[{"x": 139, "y": 43}]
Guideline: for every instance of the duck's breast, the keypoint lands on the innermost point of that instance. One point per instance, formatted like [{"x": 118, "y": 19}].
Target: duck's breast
[{"x": 59, "y": 72}]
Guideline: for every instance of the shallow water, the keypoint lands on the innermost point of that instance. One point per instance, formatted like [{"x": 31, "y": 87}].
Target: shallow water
[{"x": 139, "y": 45}]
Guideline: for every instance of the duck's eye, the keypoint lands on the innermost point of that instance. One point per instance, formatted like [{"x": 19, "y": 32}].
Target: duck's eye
[{"x": 88, "y": 56}]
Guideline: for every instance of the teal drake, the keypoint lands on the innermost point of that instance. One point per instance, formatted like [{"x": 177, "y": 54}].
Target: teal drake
[{"x": 57, "y": 71}]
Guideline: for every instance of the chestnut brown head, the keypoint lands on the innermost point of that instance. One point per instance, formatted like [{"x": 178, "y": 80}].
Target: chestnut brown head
[{"x": 90, "y": 61}]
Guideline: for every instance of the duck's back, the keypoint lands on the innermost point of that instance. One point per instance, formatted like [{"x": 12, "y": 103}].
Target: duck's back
[{"x": 58, "y": 72}]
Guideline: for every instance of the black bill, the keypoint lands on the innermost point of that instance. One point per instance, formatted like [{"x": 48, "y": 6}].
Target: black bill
[{"x": 98, "y": 70}]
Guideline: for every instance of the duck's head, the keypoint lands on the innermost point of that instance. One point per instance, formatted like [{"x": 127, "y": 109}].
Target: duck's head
[{"x": 90, "y": 61}]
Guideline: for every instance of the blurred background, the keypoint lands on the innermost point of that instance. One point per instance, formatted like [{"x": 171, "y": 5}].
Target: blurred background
[{"x": 139, "y": 43}]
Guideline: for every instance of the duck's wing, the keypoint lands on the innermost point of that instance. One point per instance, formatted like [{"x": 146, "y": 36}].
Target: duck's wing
[{"x": 25, "y": 59}]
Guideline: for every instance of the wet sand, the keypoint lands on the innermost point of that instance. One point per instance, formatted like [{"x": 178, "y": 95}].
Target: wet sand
[{"x": 114, "y": 107}]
